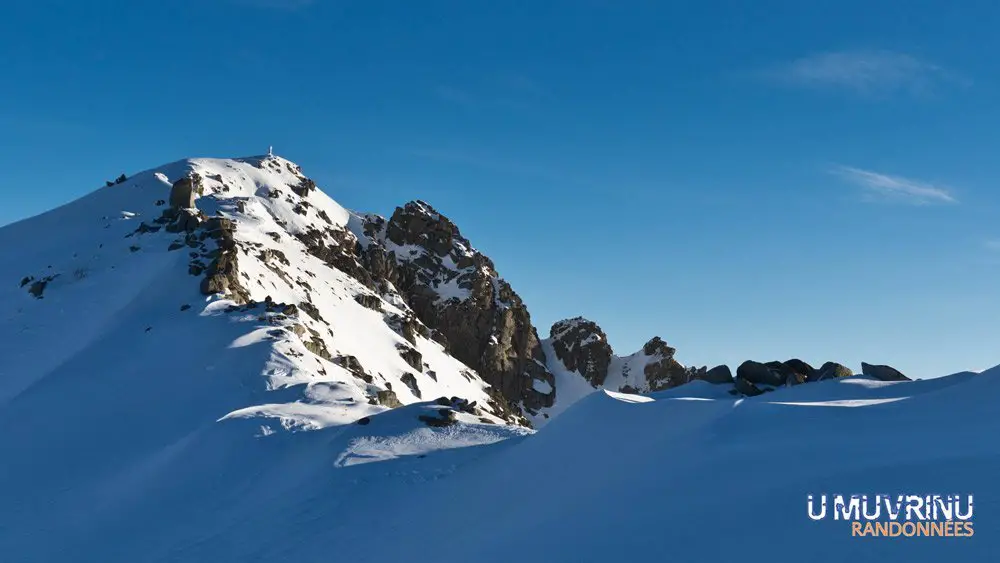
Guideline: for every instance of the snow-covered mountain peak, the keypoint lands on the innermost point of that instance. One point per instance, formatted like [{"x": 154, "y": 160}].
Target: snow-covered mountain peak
[{"x": 246, "y": 251}]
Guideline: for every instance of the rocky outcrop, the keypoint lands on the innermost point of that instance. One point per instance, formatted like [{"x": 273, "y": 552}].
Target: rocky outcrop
[
  {"x": 353, "y": 365},
  {"x": 662, "y": 371},
  {"x": 182, "y": 193},
  {"x": 386, "y": 398},
  {"x": 222, "y": 275},
  {"x": 582, "y": 347},
  {"x": 368, "y": 300},
  {"x": 882, "y": 372},
  {"x": 338, "y": 248},
  {"x": 456, "y": 292},
  {"x": 406, "y": 326}
]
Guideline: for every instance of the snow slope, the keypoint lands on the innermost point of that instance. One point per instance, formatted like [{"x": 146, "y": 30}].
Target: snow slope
[{"x": 678, "y": 476}]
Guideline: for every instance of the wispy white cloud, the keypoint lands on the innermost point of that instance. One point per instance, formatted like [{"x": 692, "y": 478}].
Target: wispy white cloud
[
  {"x": 895, "y": 188},
  {"x": 993, "y": 245},
  {"x": 868, "y": 73}
]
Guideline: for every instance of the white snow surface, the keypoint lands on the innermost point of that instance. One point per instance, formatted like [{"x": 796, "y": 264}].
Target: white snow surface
[{"x": 120, "y": 444}]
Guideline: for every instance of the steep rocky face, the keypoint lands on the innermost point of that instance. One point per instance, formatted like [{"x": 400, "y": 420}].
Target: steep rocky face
[
  {"x": 883, "y": 373},
  {"x": 456, "y": 292},
  {"x": 583, "y": 347}
]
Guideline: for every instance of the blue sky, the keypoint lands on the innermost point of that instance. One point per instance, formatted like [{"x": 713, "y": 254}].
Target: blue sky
[{"x": 745, "y": 179}]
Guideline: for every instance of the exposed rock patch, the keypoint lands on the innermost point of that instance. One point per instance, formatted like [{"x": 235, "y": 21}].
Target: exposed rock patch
[
  {"x": 410, "y": 381},
  {"x": 411, "y": 356},
  {"x": 369, "y": 301},
  {"x": 37, "y": 287},
  {"x": 444, "y": 418}
]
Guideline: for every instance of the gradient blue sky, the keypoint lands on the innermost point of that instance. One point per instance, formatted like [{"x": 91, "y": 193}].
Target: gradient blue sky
[{"x": 745, "y": 179}]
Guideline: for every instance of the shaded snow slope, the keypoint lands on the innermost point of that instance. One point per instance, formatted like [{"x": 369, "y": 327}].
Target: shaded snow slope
[{"x": 681, "y": 475}]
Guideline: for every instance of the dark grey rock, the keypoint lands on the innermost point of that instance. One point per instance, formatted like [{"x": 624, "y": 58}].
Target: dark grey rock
[
  {"x": 831, "y": 370},
  {"x": 718, "y": 375},
  {"x": 410, "y": 381},
  {"x": 883, "y": 372},
  {"x": 746, "y": 388},
  {"x": 762, "y": 374}
]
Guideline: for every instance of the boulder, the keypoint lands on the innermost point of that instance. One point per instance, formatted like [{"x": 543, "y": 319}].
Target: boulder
[
  {"x": 385, "y": 397},
  {"x": 800, "y": 370},
  {"x": 757, "y": 373},
  {"x": 882, "y": 372},
  {"x": 718, "y": 375},
  {"x": 831, "y": 370}
]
